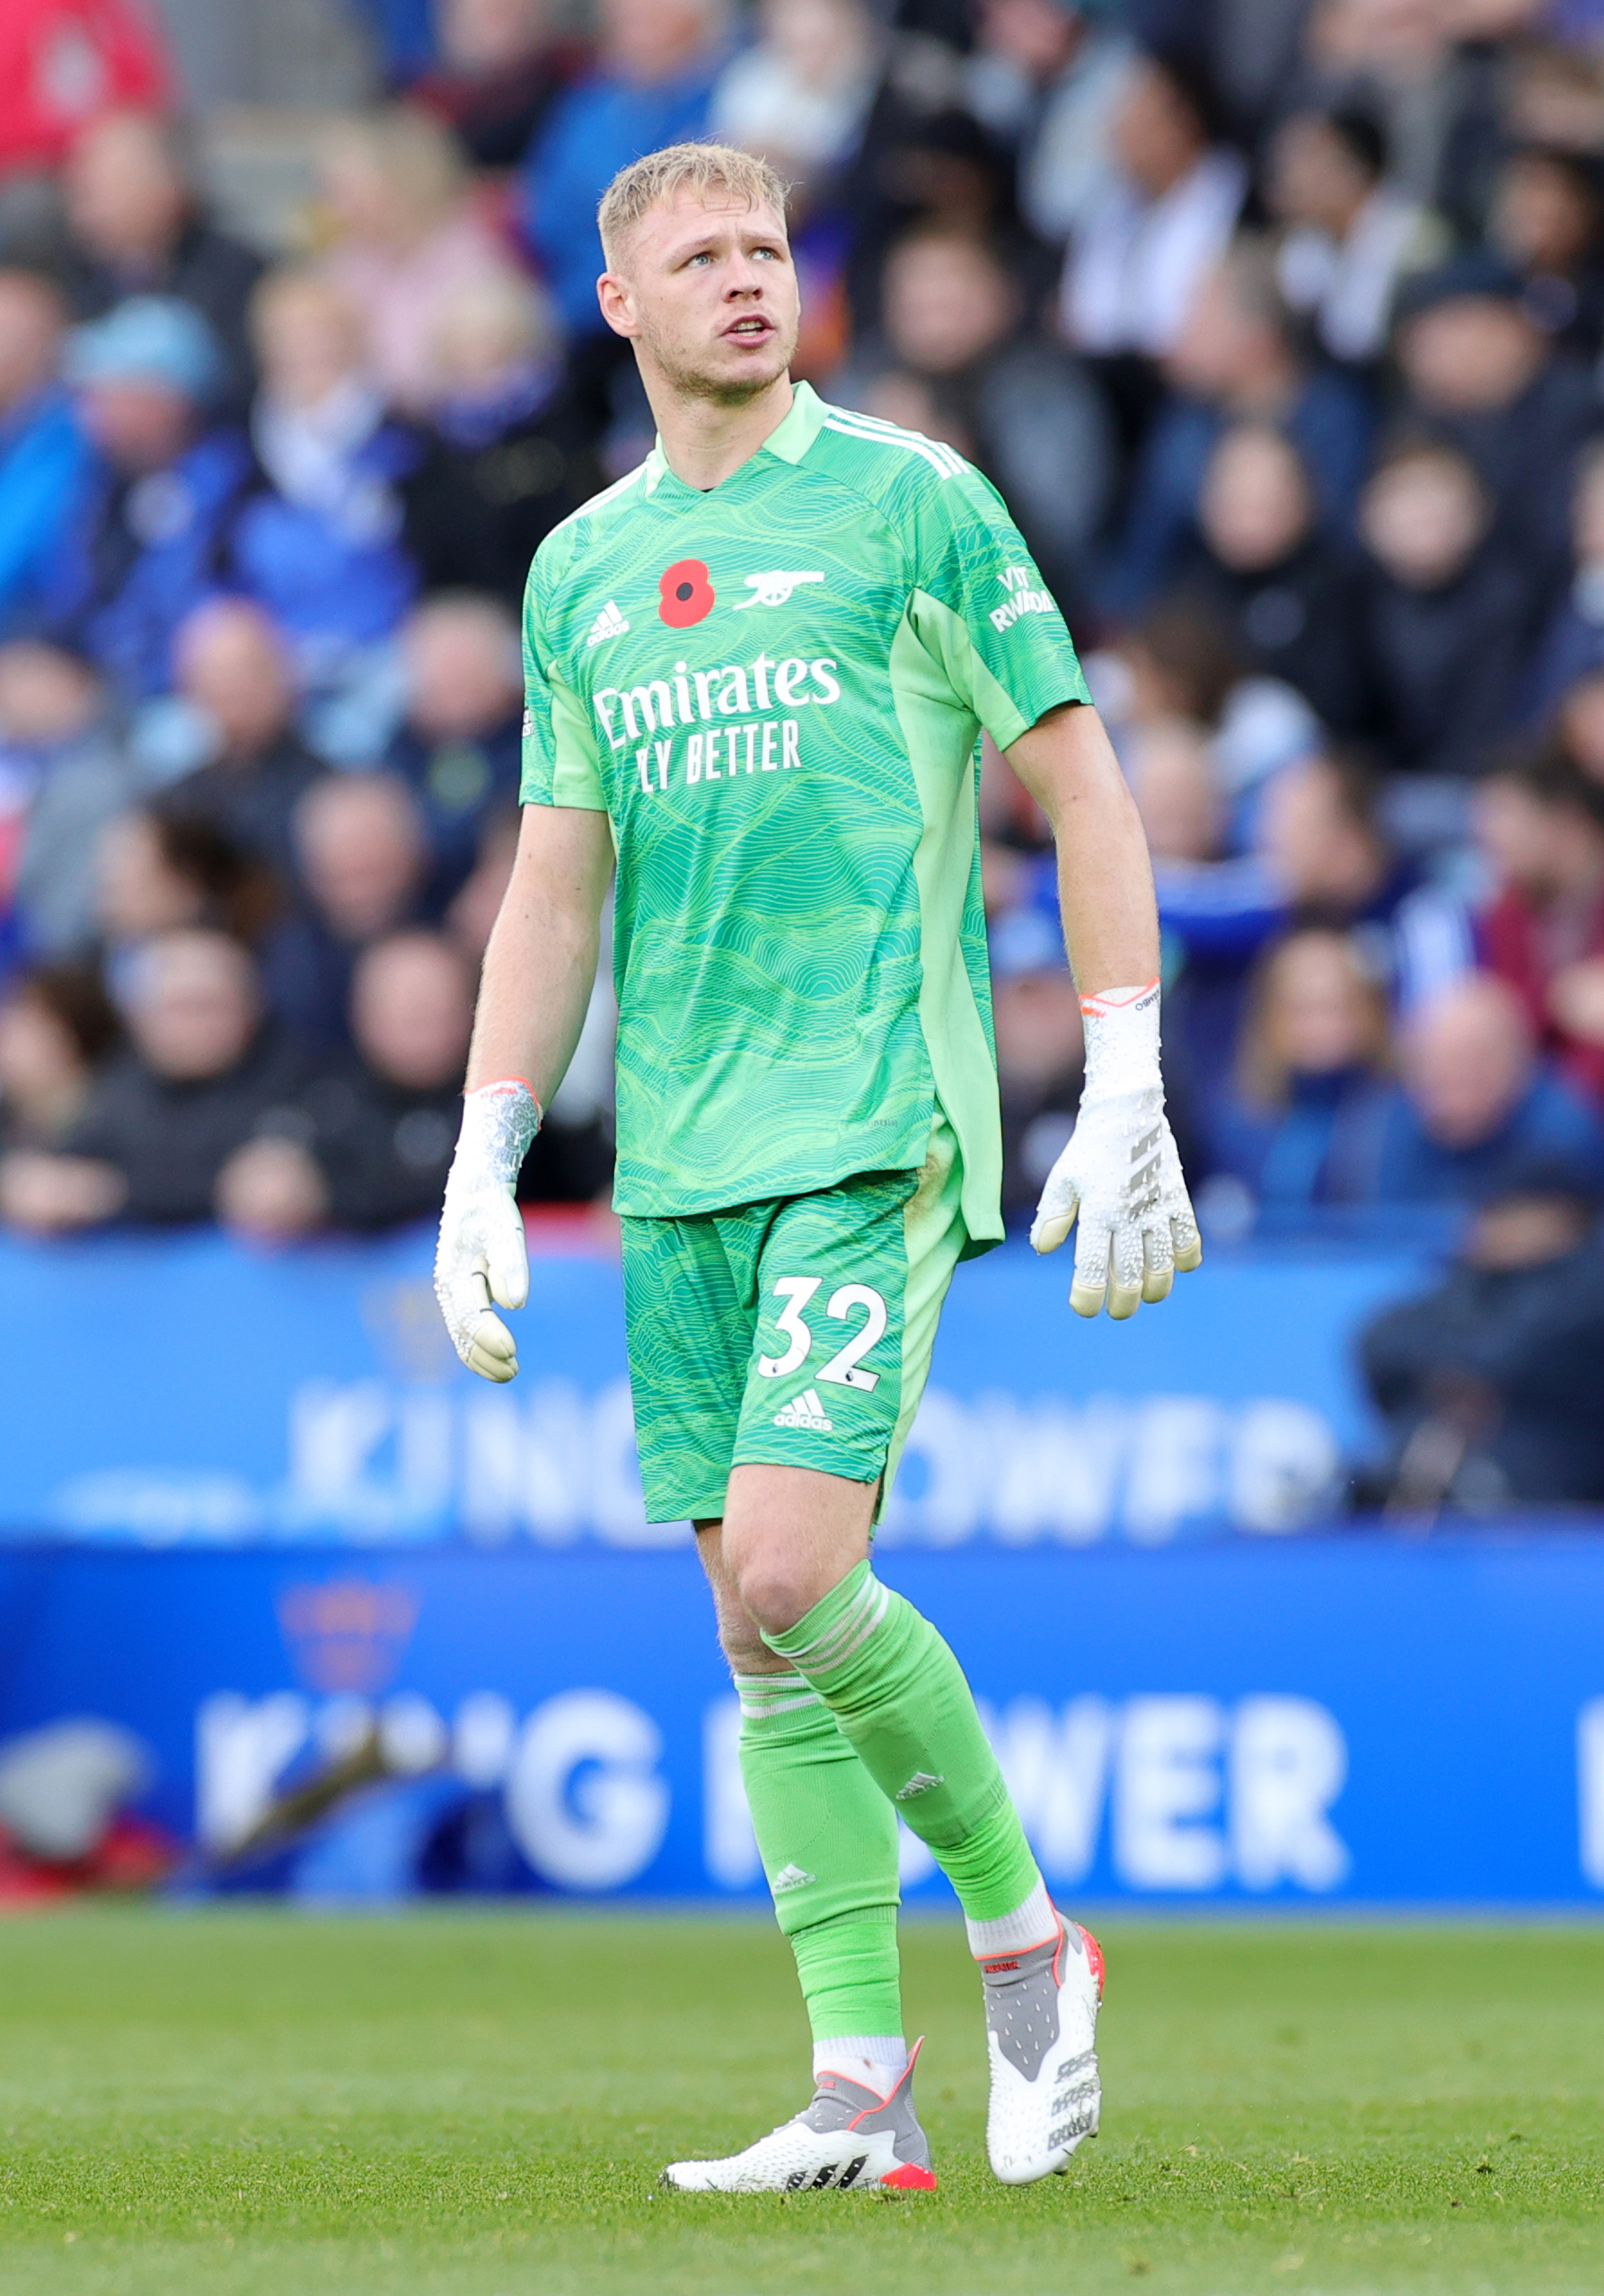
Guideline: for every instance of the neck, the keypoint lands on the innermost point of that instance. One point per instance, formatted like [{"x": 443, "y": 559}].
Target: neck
[
  {"x": 705, "y": 439},
  {"x": 1271, "y": 390}
]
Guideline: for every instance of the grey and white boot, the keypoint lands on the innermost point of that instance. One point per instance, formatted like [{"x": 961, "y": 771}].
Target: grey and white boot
[
  {"x": 850, "y": 2139},
  {"x": 1041, "y": 2035}
]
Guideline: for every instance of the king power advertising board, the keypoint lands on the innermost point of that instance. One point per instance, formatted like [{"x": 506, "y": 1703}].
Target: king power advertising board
[
  {"x": 219, "y": 1396},
  {"x": 1317, "y": 1721}
]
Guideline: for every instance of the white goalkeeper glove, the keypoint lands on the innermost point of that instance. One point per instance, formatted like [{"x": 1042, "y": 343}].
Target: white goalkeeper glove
[
  {"x": 482, "y": 1255},
  {"x": 1120, "y": 1176}
]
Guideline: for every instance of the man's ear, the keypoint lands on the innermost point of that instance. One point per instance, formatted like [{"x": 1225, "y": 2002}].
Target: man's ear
[{"x": 613, "y": 296}]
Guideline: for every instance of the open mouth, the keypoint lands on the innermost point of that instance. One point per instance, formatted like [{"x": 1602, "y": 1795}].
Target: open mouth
[{"x": 751, "y": 329}]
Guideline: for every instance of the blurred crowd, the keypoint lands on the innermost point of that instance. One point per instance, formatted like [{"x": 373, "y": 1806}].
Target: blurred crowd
[{"x": 1280, "y": 325}]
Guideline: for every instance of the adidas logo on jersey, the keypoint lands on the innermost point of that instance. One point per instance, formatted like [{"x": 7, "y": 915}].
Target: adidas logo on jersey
[
  {"x": 789, "y": 1877},
  {"x": 608, "y": 623},
  {"x": 806, "y": 1411},
  {"x": 919, "y": 1783}
]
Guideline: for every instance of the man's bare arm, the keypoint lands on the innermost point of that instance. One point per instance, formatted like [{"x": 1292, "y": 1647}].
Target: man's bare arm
[
  {"x": 1120, "y": 1176},
  {"x": 539, "y": 970},
  {"x": 1104, "y": 878},
  {"x": 541, "y": 959}
]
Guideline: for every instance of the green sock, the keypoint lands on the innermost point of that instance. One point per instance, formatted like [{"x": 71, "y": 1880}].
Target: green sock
[
  {"x": 827, "y": 1837},
  {"x": 900, "y": 1696}
]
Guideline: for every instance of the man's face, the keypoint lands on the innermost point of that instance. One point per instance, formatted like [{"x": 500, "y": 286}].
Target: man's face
[{"x": 707, "y": 293}]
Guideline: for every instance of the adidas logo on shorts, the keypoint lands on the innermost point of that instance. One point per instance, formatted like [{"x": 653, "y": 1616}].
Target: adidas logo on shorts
[
  {"x": 790, "y": 1877},
  {"x": 806, "y": 1411},
  {"x": 608, "y": 623}
]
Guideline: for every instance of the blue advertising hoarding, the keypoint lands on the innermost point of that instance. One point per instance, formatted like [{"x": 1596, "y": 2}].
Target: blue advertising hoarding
[
  {"x": 1317, "y": 1721},
  {"x": 212, "y": 1395}
]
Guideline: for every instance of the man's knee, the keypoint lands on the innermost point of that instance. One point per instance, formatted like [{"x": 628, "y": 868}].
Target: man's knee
[
  {"x": 739, "y": 1639},
  {"x": 776, "y": 1583}
]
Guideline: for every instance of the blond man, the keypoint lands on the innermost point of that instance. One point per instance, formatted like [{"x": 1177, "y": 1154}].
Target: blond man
[{"x": 758, "y": 669}]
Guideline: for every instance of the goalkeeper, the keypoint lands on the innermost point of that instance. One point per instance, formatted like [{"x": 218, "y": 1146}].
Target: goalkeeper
[{"x": 758, "y": 667}]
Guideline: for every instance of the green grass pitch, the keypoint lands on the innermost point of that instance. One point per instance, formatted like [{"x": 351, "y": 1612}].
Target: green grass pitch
[{"x": 258, "y": 2103}]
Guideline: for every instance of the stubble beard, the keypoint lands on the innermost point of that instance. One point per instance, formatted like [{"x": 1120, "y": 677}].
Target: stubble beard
[{"x": 689, "y": 380}]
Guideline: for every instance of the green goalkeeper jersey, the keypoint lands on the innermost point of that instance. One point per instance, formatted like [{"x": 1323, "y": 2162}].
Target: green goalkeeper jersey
[{"x": 774, "y": 690}]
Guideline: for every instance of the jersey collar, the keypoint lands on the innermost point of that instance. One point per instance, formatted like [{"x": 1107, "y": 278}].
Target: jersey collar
[{"x": 787, "y": 442}]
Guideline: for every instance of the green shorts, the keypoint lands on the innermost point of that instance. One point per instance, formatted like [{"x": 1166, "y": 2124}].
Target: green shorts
[{"x": 797, "y": 1333}]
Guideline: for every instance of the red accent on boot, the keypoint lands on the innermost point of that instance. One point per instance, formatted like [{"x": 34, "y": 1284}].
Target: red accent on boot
[
  {"x": 1094, "y": 1954},
  {"x": 909, "y": 2178}
]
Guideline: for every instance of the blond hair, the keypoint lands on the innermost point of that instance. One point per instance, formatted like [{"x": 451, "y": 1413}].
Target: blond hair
[{"x": 700, "y": 168}]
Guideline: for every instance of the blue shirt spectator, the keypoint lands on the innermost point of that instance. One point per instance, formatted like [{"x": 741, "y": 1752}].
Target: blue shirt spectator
[
  {"x": 1476, "y": 1106},
  {"x": 1301, "y": 1122},
  {"x": 1234, "y": 361},
  {"x": 149, "y": 533},
  {"x": 43, "y": 452},
  {"x": 652, "y": 86}
]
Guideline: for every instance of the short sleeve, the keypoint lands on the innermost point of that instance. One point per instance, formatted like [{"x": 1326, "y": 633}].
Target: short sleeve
[
  {"x": 982, "y": 610},
  {"x": 560, "y": 764}
]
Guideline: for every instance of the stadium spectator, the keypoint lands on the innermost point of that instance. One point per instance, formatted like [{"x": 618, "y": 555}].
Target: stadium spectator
[
  {"x": 138, "y": 228},
  {"x": 362, "y": 865},
  {"x": 1180, "y": 661},
  {"x": 318, "y": 538},
  {"x": 1164, "y": 215},
  {"x": 1233, "y": 360},
  {"x": 141, "y": 544},
  {"x": 657, "y": 65},
  {"x": 65, "y": 62},
  {"x": 232, "y": 670},
  {"x": 1480, "y": 372},
  {"x": 1447, "y": 615},
  {"x": 459, "y": 746},
  {"x": 1047, "y": 77},
  {"x": 158, "y": 870},
  {"x": 473, "y": 914},
  {"x": 1289, "y": 593},
  {"x": 1320, "y": 854},
  {"x": 202, "y": 1072},
  {"x": 1040, "y": 1056},
  {"x": 1302, "y": 1125},
  {"x": 42, "y": 449},
  {"x": 800, "y": 93},
  {"x": 953, "y": 360},
  {"x": 499, "y": 70},
  {"x": 1547, "y": 220},
  {"x": 1541, "y": 829},
  {"x": 1572, "y": 645},
  {"x": 509, "y": 447},
  {"x": 60, "y": 753},
  {"x": 57, "y": 1025},
  {"x": 1489, "y": 1383},
  {"x": 1476, "y": 1103},
  {"x": 1579, "y": 725},
  {"x": 407, "y": 236},
  {"x": 378, "y": 1140},
  {"x": 1171, "y": 768},
  {"x": 1349, "y": 237}
]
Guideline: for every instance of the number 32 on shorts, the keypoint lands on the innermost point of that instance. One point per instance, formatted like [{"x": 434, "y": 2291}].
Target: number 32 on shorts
[{"x": 843, "y": 1367}]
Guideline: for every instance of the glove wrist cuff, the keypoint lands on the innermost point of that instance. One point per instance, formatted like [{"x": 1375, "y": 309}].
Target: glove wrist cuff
[
  {"x": 1121, "y": 1041},
  {"x": 499, "y": 1123}
]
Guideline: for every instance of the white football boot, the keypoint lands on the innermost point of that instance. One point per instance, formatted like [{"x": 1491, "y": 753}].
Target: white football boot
[
  {"x": 1041, "y": 2035},
  {"x": 850, "y": 2139}
]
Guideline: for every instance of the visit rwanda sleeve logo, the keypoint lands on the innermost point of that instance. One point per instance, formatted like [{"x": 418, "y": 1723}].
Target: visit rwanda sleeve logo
[{"x": 1024, "y": 597}]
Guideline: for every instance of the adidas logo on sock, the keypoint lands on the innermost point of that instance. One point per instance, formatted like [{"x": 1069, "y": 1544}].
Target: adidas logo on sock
[
  {"x": 789, "y": 1877},
  {"x": 919, "y": 1782},
  {"x": 608, "y": 623},
  {"x": 806, "y": 1411}
]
